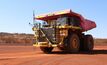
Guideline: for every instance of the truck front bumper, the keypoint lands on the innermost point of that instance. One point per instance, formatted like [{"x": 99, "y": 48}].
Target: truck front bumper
[{"x": 44, "y": 44}]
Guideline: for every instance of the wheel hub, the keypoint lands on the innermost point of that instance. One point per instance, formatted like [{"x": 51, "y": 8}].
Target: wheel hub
[{"x": 74, "y": 45}]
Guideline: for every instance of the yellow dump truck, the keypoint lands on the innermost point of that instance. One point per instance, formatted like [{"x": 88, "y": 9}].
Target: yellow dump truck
[{"x": 65, "y": 30}]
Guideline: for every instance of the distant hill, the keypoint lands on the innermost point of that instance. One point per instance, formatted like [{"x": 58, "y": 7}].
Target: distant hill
[
  {"x": 99, "y": 41},
  {"x": 27, "y": 39},
  {"x": 16, "y": 38}
]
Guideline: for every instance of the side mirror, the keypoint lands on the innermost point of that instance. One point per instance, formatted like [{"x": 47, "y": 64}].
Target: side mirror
[{"x": 30, "y": 24}]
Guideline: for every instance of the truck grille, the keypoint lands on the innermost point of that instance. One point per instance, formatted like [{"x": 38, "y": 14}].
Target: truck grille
[{"x": 52, "y": 34}]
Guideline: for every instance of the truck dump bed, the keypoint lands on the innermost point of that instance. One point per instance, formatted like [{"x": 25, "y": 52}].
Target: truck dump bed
[{"x": 84, "y": 23}]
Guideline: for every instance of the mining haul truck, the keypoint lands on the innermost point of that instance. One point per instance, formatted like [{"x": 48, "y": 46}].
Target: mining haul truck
[{"x": 65, "y": 30}]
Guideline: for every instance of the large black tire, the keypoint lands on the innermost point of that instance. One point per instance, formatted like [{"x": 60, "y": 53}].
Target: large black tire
[
  {"x": 63, "y": 46},
  {"x": 73, "y": 43},
  {"x": 46, "y": 50},
  {"x": 82, "y": 42},
  {"x": 88, "y": 43}
]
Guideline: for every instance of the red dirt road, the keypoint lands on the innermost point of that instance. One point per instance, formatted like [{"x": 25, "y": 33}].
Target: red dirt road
[{"x": 28, "y": 55}]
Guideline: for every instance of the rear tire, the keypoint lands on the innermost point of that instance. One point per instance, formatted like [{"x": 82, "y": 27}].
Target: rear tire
[
  {"x": 73, "y": 43},
  {"x": 46, "y": 50},
  {"x": 89, "y": 43}
]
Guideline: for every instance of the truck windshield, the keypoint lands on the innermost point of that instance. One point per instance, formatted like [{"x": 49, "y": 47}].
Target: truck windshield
[
  {"x": 39, "y": 23},
  {"x": 49, "y": 23},
  {"x": 62, "y": 21}
]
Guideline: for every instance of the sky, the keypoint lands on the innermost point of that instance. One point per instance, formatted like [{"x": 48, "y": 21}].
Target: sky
[{"x": 15, "y": 15}]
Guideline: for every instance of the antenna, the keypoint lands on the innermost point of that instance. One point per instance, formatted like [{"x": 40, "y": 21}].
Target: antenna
[{"x": 33, "y": 16}]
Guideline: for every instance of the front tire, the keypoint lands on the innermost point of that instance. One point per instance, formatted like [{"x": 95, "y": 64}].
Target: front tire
[
  {"x": 74, "y": 43},
  {"x": 46, "y": 50},
  {"x": 63, "y": 46}
]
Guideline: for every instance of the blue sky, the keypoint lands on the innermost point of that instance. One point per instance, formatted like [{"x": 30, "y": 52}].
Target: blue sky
[{"x": 15, "y": 15}]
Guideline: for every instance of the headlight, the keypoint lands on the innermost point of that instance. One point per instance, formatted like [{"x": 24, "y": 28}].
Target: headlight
[{"x": 34, "y": 29}]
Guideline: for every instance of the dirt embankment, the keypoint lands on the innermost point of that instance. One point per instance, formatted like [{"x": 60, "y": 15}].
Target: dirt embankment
[
  {"x": 28, "y": 39},
  {"x": 16, "y": 38},
  {"x": 100, "y": 42}
]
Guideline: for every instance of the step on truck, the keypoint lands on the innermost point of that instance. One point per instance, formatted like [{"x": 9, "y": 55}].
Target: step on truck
[{"x": 65, "y": 30}]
